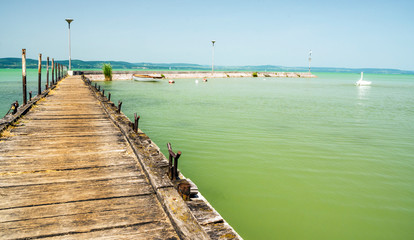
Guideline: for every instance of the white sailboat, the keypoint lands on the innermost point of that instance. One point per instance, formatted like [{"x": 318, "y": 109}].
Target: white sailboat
[{"x": 362, "y": 82}]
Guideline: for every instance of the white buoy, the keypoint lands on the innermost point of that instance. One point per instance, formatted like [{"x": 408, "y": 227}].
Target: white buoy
[{"x": 196, "y": 81}]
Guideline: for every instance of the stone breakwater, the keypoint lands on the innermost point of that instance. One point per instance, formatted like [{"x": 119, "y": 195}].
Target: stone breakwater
[{"x": 127, "y": 75}]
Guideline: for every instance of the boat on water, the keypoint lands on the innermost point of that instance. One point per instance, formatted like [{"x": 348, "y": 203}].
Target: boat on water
[
  {"x": 146, "y": 78},
  {"x": 362, "y": 82}
]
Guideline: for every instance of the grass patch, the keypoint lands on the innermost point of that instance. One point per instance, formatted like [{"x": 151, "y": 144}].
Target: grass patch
[{"x": 107, "y": 71}]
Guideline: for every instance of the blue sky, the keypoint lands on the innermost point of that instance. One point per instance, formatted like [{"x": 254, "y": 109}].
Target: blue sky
[{"x": 373, "y": 34}]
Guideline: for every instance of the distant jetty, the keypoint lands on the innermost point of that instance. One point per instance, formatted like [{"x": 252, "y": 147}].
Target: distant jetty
[{"x": 127, "y": 75}]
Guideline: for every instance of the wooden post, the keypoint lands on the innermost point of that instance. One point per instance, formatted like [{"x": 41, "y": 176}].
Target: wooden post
[
  {"x": 24, "y": 76},
  {"x": 136, "y": 120},
  {"x": 177, "y": 156},
  {"x": 58, "y": 72},
  {"x": 30, "y": 96},
  {"x": 173, "y": 168},
  {"x": 53, "y": 71},
  {"x": 170, "y": 161},
  {"x": 39, "y": 70},
  {"x": 103, "y": 92},
  {"x": 119, "y": 106},
  {"x": 109, "y": 96},
  {"x": 16, "y": 106},
  {"x": 47, "y": 73}
]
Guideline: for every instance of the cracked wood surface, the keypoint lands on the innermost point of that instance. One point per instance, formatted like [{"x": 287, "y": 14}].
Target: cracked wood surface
[{"x": 67, "y": 172}]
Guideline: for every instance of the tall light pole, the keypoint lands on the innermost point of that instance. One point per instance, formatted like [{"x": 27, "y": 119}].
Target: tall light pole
[
  {"x": 69, "y": 20},
  {"x": 212, "y": 62},
  {"x": 310, "y": 59}
]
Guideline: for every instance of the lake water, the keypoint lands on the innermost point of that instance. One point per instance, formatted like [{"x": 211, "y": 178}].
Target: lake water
[{"x": 285, "y": 158}]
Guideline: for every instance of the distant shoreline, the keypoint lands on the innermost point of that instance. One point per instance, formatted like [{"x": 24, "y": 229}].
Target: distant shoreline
[
  {"x": 127, "y": 75},
  {"x": 148, "y": 66}
]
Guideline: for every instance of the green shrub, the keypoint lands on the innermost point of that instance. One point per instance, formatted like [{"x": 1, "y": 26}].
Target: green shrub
[
  {"x": 162, "y": 75},
  {"x": 107, "y": 71},
  {"x": 254, "y": 74}
]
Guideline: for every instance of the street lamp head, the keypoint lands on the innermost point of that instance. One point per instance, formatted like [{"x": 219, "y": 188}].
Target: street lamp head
[
  {"x": 69, "y": 20},
  {"x": 213, "y": 41}
]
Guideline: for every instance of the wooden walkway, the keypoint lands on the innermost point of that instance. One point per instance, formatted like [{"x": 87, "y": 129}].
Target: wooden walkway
[{"x": 67, "y": 172}]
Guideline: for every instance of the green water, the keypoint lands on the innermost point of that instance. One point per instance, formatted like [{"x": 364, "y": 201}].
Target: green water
[
  {"x": 284, "y": 158},
  {"x": 11, "y": 86}
]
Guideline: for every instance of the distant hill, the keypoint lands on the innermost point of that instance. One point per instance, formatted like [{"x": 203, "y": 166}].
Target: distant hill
[{"x": 84, "y": 65}]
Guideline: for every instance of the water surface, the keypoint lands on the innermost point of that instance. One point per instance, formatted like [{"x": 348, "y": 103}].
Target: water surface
[{"x": 286, "y": 158}]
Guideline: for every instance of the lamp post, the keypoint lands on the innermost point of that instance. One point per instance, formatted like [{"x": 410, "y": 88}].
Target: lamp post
[
  {"x": 69, "y": 20},
  {"x": 310, "y": 59},
  {"x": 212, "y": 63}
]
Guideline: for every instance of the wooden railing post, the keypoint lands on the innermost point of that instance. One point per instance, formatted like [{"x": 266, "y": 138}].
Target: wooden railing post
[
  {"x": 58, "y": 72},
  {"x": 53, "y": 71},
  {"x": 47, "y": 73},
  {"x": 170, "y": 161},
  {"x": 109, "y": 96},
  {"x": 24, "y": 76},
  {"x": 39, "y": 70},
  {"x": 119, "y": 106},
  {"x": 173, "y": 167},
  {"x": 136, "y": 120},
  {"x": 175, "y": 176},
  {"x": 16, "y": 106}
]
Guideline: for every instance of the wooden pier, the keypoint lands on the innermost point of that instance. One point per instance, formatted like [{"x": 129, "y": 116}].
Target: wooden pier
[{"x": 69, "y": 170}]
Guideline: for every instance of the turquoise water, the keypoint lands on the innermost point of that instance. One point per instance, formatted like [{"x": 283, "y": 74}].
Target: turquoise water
[
  {"x": 11, "y": 86},
  {"x": 286, "y": 158}
]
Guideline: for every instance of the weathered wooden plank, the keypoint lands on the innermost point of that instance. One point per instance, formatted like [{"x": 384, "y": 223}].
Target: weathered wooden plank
[
  {"x": 211, "y": 221},
  {"x": 22, "y": 196},
  {"x": 30, "y": 177},
  {"x": 71, "y": 131},
  {"x": 85, "y": 160},
  {"x": 152, "y": 230},
  {"x": 60, "y": 149},
  {"x": 218, "y": 231},
  {"x": 80, "y": 223},
  {"x": 73, "y": 208},
  {"x": 203, "y": 213},
  {"x": 73, "y": 140},
  {"x": 86, "y": 155},
  {"x": 181, "y": 215}
]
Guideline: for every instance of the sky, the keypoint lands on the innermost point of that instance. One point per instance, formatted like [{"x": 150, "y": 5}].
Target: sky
[{"x": 351, "y": 34}]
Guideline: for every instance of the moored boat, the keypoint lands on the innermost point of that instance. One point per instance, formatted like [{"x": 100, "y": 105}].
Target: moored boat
[{"x": 146, "y": 78}]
